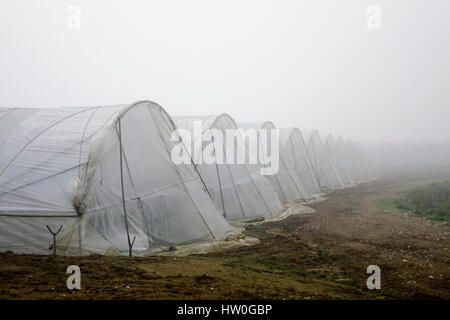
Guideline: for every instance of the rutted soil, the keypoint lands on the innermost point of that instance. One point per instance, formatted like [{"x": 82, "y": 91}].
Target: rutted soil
[{"x": 322, "y": 255}]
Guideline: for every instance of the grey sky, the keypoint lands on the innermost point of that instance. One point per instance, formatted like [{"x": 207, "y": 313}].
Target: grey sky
[{"x": 312, "y": 64}]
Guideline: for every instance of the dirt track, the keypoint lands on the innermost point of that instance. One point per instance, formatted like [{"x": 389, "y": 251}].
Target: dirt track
[{"x": 322, "y": 255}]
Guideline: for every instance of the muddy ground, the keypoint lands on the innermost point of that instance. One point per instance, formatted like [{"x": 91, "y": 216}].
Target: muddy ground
[{"x": 322, "y": 255}]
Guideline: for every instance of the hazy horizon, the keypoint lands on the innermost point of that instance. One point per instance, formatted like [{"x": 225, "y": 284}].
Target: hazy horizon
[{"x": 308, "y": 64}]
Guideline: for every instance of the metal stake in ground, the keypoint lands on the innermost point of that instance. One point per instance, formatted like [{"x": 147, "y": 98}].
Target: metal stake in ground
[{"x": 54, "y": 234}]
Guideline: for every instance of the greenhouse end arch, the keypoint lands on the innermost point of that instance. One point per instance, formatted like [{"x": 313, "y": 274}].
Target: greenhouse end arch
[{"x": 103, "y": 173}]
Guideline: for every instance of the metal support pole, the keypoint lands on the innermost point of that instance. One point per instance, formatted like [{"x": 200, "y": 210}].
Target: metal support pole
[
  {"x": 234, "y": 184},
  {"x": 196, "y": 169},
  {"x": 130, "y": 243},
  {"x": 218, "y": 177}
]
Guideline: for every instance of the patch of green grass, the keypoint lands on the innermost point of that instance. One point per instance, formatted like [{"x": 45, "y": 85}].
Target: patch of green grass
[
  {"x": 336, "y": 256},
  {"x": 350, "y": 282},
  {"x": 301, "y": 272},
  {"x": 380, "y": 293},
  {"x": 431, "y": 201},
  {"x": 320, "y": 276}
]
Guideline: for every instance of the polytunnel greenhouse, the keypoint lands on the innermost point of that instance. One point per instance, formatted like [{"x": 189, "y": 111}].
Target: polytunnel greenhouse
[
  {"x": 285, "y": 181},
  {"x": 104, "y": 176},
  {"x": 239, "y": 190}
]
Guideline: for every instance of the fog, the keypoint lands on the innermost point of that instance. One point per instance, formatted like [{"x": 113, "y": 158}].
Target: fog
[
  {"x": 311, "y": 64},
  {"x": 409, "y": 153}
]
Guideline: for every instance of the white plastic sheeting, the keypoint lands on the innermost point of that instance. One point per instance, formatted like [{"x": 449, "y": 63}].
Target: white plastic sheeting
[
  {"x": 353, "y": 167},
  {"x": 337, "y": 158},
  {"x": 285, "y": 182},
  {"x": 294, "y": 150},
  {"x": 239, "y": 190},
  {"x": 324, "y": 169},
  {"x": 10, "y": 119},
  {"x": 65, "y": 167}
]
